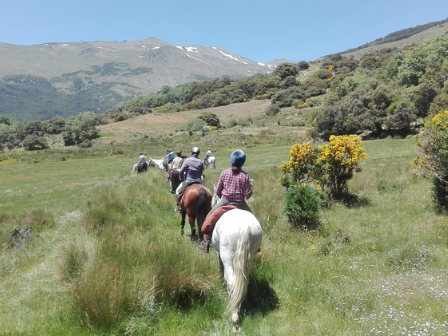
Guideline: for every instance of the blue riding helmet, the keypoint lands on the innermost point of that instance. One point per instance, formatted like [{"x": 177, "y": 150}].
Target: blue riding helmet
[{"x": 237, "y": 158}]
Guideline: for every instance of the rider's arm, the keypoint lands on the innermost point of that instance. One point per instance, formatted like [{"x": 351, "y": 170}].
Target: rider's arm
[
  {"x": 183, "y": 170},
  {"x": 247, "y": 188}
]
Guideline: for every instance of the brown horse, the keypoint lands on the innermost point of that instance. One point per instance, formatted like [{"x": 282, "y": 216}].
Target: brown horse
[
  {"x": 197, "y": 203},
  {"x": 174, "y": 179}
]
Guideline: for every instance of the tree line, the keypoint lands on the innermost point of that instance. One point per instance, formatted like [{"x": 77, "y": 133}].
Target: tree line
[{"x": 389, "y": 91}]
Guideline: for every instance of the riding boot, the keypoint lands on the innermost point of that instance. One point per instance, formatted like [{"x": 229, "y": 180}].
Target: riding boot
[
  {"x": 178, "y": 197},
  {"x": 205, "y": 244}
]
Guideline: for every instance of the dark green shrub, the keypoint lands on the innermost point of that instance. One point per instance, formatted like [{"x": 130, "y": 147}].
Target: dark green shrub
[
  {"x": 289, "y": 81},
  {"x": 402, "y": 116},
  {"x": 34, "y": 142},
  {"x": 303, "y": 65},
  {"x": 315, "y": 86},
  {"x": 210, "y": 119},
  {"x": 323, "y": 74},
  {"x": 440, "y": 195},
  {"x": 285, "y": 98},
  {"x": 272, "y": 110},
  {"x": 284, "y": 70},
  {"x": 120, "y": 117},
  {"x": 193, "y": 125},
  {"x": 422, "y": 97},
  {"x": 86, "y": 143},
  {"x": 232, "y": 123},
  {"x": 303, "y": 206}
]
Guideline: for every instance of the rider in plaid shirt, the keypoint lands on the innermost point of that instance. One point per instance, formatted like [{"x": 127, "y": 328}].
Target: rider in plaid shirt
[{"x": 233, "y": 185}]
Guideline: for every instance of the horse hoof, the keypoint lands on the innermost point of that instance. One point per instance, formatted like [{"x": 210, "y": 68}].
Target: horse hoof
[{"x": 182, "y": 232}]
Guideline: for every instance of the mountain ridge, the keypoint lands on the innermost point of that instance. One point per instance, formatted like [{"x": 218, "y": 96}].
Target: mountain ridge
[{"x": 100, "y": 75}]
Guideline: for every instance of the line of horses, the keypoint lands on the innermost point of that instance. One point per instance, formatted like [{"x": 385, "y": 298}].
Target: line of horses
[
  {"x": 164, "y": 166},
  {"x": 236, "y": 237}
]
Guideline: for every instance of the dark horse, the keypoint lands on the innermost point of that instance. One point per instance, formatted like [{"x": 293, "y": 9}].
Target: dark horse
[
  {"x": 197, "y": 203},
  {"x": 174, "y": 179},
  {"x": 142, "y": 167}
]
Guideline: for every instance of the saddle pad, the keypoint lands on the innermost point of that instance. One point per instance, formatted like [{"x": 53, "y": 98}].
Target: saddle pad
[{"x": 209, "y": 223}]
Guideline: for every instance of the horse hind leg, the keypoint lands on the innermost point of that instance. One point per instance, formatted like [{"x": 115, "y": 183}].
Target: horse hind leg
[
  {"x": 236, "y": 321},
  {"x": 191, "y": 221},
  {"x": 182, "y": 224}
]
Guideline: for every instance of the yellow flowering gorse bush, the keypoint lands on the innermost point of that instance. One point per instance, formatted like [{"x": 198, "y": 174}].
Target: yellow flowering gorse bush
[
  {"x": 301, "y": 162},
  {"x": 329, "y": 166},
  {"x": 345, "y": 151},
  {"x": 340, "y": 158}
]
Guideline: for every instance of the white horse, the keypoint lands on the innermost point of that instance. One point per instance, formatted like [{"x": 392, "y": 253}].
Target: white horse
[
  {"x": 236, "y": 239},
  {"x": 161, "y": 164},
  {"x": 210, "y": 162}
]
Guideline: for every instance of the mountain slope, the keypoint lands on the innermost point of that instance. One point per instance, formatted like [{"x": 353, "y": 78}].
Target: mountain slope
[{"x": 96, "y": 76}]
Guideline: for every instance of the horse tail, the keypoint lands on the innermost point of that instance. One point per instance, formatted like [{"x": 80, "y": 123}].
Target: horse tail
[
  {"x": 201, "y": 207},
  {"x": 241, "y": 271}
]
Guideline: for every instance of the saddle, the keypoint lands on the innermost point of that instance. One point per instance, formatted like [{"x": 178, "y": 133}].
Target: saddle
[
  {"x": 189, "y": 185},
  {"x": 172, "y": 171},
  {"x": 210, "y": 221}
]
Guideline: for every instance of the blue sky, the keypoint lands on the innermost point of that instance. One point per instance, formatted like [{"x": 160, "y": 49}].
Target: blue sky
[{"x": 259, "y": 30}]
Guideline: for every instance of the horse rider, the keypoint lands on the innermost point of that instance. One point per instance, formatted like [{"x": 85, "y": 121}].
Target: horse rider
[
  {"x": 177, "y": 161},
  {"x": 233, "y": 188},
  {"x": 189, "y": 173},
  {"x": 169, "y": 156},
  {"x": 141, "y": 158},
  {"x": 207, "y": 154}
]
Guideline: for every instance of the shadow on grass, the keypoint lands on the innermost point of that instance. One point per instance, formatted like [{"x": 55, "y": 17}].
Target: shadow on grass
[
  {"x": 261, "y": 297},
  {"x": 354, "y": 201},
  {"x": 349, "y": 200}
]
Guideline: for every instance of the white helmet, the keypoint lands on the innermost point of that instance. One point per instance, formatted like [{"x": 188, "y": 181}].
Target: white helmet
[{"x": 195, "y": 150}]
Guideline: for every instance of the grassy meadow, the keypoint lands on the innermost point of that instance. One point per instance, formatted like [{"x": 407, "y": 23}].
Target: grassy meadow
[{"x": 103, "y": 254}]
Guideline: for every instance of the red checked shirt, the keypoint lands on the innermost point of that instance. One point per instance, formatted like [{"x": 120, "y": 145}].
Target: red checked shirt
[{"x": 234, "y": 186}]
